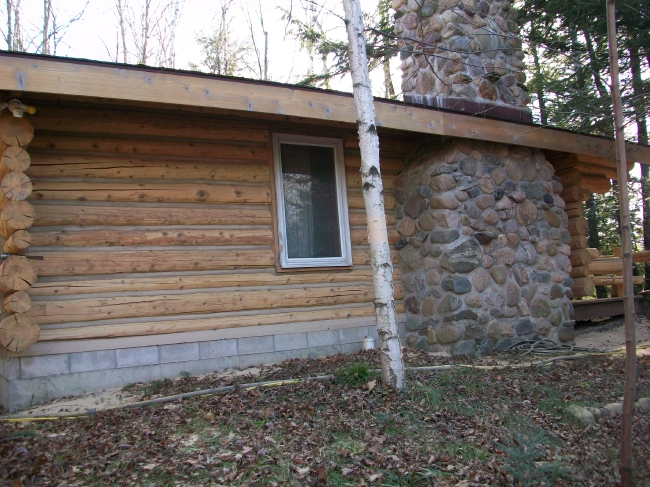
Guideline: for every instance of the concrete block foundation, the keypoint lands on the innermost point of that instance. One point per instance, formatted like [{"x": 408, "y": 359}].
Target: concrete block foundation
[{"x": 26, "y": 381}]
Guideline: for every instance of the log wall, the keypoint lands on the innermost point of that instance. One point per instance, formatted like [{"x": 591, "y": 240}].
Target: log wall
[{"x": 154, "y": 222}]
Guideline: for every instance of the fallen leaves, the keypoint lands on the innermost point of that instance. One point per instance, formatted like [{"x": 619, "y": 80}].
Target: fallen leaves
[{"x": 449, "y": 429}]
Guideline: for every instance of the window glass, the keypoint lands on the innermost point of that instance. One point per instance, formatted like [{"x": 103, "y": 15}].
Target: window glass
[
  {"x": 310, "y": 206},
  {"x": 313, "y": 214}
]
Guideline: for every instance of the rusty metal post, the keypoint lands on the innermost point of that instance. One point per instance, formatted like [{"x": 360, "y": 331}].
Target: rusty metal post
[{"x": 625, "y": 468}]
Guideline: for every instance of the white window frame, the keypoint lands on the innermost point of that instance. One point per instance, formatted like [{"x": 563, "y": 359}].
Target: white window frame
[{"x": 341, "y": 195}]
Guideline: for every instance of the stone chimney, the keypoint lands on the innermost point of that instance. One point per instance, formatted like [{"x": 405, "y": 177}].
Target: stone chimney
[{"x": 462, "y": 55}]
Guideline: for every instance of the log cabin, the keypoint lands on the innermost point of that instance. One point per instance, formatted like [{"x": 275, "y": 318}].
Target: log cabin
[{"x": 159, "y": 222}]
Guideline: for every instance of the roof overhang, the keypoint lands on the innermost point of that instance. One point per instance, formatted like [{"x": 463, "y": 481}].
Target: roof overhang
[{"x": 124, "y": 83}]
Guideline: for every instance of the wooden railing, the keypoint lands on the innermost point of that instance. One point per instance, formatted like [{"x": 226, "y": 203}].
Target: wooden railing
[{"x": 607, "y": 270}]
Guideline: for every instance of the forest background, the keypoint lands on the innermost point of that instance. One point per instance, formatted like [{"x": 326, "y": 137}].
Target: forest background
[{"x": 304, "y": 42}]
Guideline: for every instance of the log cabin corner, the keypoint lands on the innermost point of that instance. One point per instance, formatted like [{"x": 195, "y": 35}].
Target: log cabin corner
[{"x": 157, "y": 222}]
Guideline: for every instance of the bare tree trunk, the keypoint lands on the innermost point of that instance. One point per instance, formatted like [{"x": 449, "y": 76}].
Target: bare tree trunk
[
  {"x": 626, "y": 469},
  {"x": 540, "y": 91},
  {"x": 171, "y": 60},
  {"x": 392, "y": 367},
  {"x": 266, "y": 53},
  {"x": 389, "y": 90},
  {"x": 145, "y": 33},
  {"x": 9, "y": 37},
  {"x": 120, "y": 14},
  {"x": 47, "y": 10},
  {"x": 18, "y": 35}
]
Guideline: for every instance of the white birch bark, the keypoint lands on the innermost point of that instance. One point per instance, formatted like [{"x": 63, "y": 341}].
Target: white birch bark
[{"x": 392, "y": 367}]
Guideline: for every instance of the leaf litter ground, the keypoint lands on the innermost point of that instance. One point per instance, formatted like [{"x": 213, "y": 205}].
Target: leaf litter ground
[{"x": 465, "y": 427}]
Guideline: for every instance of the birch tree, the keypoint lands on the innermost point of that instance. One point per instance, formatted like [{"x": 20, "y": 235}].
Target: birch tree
[{"x": 392, "y": 367}]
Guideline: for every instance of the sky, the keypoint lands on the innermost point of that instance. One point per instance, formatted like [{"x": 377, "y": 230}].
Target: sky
[{"x": 95, "y": 34}]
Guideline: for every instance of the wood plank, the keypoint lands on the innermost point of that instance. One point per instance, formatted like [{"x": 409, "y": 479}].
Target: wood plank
[
  {"x": 583, "y": 286},
  {"x": 93, "y": 309},
  {"x": 606, "y": 265},
  {"x": 140, "y": 84},
  {"x": 45, "y": 189},
  {"x": 82, "y": 120},
  {"x": 580, "y": 257},
  {"x": 588, "y": 164},
  {"x": 89, "y": 166},
  {"x": 595, "y": 253},
  {"x": 178, "y": 148},
  {"x": 574, "y": 209},
  {"x": 85, "y": 215},
  {"x": 578, "y": 242},
  {"x": 112, "y": 238},
  {"x": 127, "y": 261},
  {"x": 615, "y": 280},
  {"x": 578, "y": 226},
  {"x": 202, "y": 281},
  {"x": 595, "y": 184},
  {"x": 133, "y": 261},
  {"x": 179, "y": 326}
]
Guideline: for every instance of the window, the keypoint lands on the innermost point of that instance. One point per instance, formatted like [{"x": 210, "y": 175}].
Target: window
[{"x": 312, "y": 202}]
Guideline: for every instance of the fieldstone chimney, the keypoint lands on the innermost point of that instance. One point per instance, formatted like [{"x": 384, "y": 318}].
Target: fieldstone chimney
[{"x": 462, "y": 55}]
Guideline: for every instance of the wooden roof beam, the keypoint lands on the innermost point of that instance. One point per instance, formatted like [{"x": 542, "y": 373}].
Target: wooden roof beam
[{"x": 61, "y": 76}]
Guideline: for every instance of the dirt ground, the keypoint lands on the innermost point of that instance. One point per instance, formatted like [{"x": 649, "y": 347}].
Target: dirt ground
[{"x": 607, "y": 335}]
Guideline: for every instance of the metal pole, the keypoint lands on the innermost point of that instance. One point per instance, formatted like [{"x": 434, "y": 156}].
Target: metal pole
[{"x": 625, "y": 468}]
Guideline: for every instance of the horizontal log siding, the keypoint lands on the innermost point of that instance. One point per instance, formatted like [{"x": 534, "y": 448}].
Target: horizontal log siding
[{"x": 151, "y": 223}]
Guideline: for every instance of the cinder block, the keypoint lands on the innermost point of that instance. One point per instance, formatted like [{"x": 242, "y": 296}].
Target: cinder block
[
  {"x": 323, "y": 338},
  {"x": 44, "y": 365},
  {"x": 254, "y": 359},
  {"x": 180, "y": 352},
  {"x": 218, "y": 348},
  {"x": 89, "y": 361},
  {"x": 134, "y": 357},
  {"x": 255, "y": 345},
  {"x": 198, "y": 367},
  {"x": 351, "y": 347},
  {"x": 324, "y": 351},
  {"x": 372, "y": 333},
  {"x": 290, "y": 341},
  {"x": 10, "y": 368},
  {"x": 289, "y": 354},
  {"x": 351, "y": 335}
]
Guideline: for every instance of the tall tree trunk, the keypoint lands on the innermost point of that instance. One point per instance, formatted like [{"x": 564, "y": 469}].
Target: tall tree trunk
[
  {"x": 392, "y": 367},
  {"x": 539, "y": 86},
  {"x": 47, "y": 9},
  {"x": 640, "y": 111},
  {"x": 18, "y": 34},
  {"x": 389, "y": 90},
  {"x": 266, "y": 54},
  {"x": 626, "y": 468},
  {"x": 121, "y": 20},
  {"x": 595, "y": 66},
  {"x": 171, "y": 59},
  {"x": 9, "y": 38}
]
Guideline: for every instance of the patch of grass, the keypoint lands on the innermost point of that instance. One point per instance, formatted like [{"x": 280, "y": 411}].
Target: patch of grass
[
  {"x": 354, "y": 374},
  {"x": 155, "y": 387},
  {"x": 467, "y": 452}
]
